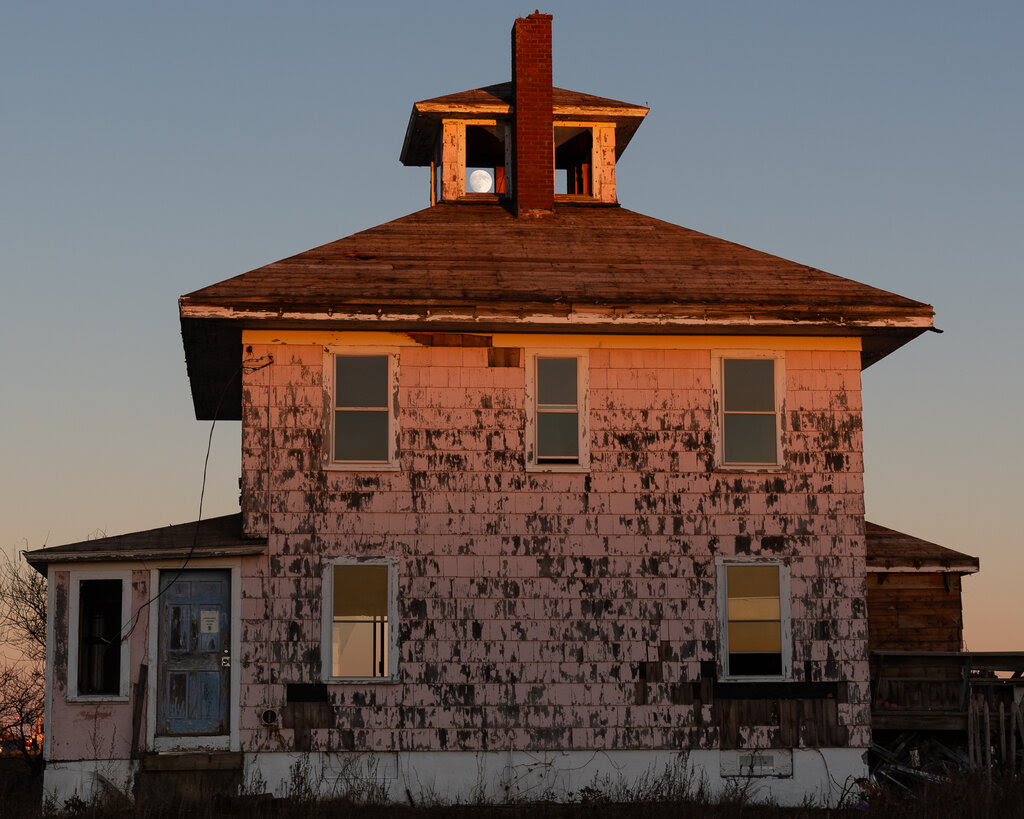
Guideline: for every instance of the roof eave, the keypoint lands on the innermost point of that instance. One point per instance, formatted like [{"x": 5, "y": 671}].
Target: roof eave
[
  {"x": 40, "y": 561},
  {"x": 212, "y": 334}
]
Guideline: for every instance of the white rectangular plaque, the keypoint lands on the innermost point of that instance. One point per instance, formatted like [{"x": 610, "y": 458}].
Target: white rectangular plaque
[{"x": 209, "y": 621}]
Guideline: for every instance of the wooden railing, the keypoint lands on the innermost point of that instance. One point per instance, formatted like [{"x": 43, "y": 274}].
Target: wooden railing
[{"x": 932, "y": 690}]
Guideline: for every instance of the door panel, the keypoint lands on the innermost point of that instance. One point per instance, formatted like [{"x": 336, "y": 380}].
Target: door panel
[{"x": 194, "y": 663}]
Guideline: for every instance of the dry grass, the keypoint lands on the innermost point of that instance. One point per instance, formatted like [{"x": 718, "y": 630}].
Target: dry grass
[{"x": 963, "y": 796}]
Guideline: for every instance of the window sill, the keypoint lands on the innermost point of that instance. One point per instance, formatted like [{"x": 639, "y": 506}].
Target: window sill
[
  {"x": 362, "y": 680},
  {"x": 98, "y": 698},
  {"x": 476, "y": 197},
  {"x": 753, "y": 679},
  {"x": 362, "y": 466},
  {"x": 747, "y": 468},
  {"x": 570, "y": 468}
]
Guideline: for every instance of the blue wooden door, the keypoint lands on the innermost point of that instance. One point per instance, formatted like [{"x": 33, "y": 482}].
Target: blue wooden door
[{"x": 194, "y": 659}]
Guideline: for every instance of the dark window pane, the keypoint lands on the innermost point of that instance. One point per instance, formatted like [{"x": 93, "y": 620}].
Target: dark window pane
[
  {"x": 360, "y": 590},
  {"x": 749, "y": 385},
  {"x": 755, "y": 665},
  {"x": 558, "y": 436},
  {"x": 99, "y": 637},
  {"x": 360, "y": 436},
  {"x": 361, "y": 380},
  {"x": 556, "y": 381},
  {"x": 750, "y": 439}
]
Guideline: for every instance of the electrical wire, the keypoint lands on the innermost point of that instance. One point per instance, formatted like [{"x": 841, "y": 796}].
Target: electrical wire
[{"x": 247, "y": 366}]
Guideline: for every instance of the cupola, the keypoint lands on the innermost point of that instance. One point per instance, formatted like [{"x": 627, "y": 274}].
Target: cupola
[{"x": 525, "y": 142}]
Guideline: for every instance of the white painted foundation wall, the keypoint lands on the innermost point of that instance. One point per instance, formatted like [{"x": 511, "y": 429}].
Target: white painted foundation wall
[{"x": 824, "y": 776}]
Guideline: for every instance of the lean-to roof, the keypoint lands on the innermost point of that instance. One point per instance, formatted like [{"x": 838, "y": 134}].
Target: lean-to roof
[
  {"x": 213, "y": 537},
  {"x": 889, "y": 550}
]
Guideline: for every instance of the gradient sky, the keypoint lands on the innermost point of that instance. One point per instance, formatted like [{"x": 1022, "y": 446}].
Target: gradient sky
[{"x": 147, "y": 150}]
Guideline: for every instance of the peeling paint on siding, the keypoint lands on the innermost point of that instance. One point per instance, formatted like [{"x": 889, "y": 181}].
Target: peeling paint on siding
[{"x": 550, "y": 610}]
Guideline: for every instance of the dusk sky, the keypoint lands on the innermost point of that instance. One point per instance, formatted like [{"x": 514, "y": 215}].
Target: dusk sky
[{"x": 151, "y": 149}]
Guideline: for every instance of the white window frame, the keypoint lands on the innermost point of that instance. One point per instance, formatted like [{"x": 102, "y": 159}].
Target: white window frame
[
  {"x": 74, "y": 628},
  {"x": 326, "y": 634},
  {"x": 330, "y": 371},
  {"x": 718, "y": 359},
  {"x": 582, "y": 409},
  {"x": 785, "y": 617}
]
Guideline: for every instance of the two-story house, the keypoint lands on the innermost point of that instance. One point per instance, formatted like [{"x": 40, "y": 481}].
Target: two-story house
[{"x": 537, "y": 493}]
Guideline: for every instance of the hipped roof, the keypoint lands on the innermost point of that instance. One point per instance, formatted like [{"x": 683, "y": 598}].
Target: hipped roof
[{"x": 473, "y": 267}]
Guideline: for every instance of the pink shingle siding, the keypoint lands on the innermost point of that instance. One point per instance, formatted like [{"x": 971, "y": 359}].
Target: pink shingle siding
[{"x": 554, "y": 610}]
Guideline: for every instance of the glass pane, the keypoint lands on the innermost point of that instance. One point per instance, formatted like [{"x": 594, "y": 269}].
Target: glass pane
[
  {"x": 755, "y": 665},
  {"x": 361, "y": 435},
  {"x": 99, "y": 637},
  {"x": 361, "y": 381},
  {"x": 752, "y": 581},
  {"x": 557, "y": 435},
  {"x": 749, "y": 385},
  {"x": 360, "y": 590},
  {"x": 753, "y": 608},
  {"x": 359, "y": 648},
  {"x": 755, "y": 637},
  {"x": 750, "y": 439},
  {"x": 556, "y": 381}
]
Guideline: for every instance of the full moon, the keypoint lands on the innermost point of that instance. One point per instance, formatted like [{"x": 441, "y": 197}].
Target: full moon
[{"x": 480, "y": 181}]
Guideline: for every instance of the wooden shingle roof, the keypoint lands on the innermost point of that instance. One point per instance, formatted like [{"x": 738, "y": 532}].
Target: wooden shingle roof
[
  {"x": 889, "y": 550},
  {"x": 473, "y": 267},
  {"x": 213, "y": 537}
]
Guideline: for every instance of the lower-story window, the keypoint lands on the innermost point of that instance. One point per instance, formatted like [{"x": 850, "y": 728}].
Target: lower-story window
[
  {"x": 359, "y": 619},
  {"x": 754, "y": 605},
  {"x": 98, "y": 655}
]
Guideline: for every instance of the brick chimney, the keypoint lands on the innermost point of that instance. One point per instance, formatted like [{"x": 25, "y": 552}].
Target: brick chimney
[{"x": 533, "y": 152}]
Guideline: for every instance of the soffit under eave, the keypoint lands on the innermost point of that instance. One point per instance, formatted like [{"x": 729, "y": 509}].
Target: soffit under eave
[
  {"x": 213, "y": 347},
  {"x": 213, "y": 357}
]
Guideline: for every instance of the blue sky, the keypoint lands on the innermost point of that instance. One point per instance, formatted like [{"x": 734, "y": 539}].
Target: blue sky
[{"x": 150, "y": 149}]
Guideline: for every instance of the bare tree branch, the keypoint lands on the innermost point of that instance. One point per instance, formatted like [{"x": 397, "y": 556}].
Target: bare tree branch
[
  {"x": 23, "y": 633},
  {"x": 23, "y": 608}
]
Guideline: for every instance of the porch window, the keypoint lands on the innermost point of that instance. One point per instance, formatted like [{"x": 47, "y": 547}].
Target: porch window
[
  {"x": 100, "y": 618},
  {"x": 361, "y": 622},
  {"x": 99, "y": 607},
  {"x": 755, "y": 620}
]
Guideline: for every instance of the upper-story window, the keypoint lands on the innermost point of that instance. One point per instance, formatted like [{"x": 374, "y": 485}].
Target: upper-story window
[
  {"x": 755, "y": 620},
  {"x": 364, "y": 429},
  {"x": 485, "y": 158},
  {"x": 574, "y": 160},
  {"x": 749, "y": 397},
  {"x": 556, "y": 417}
]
